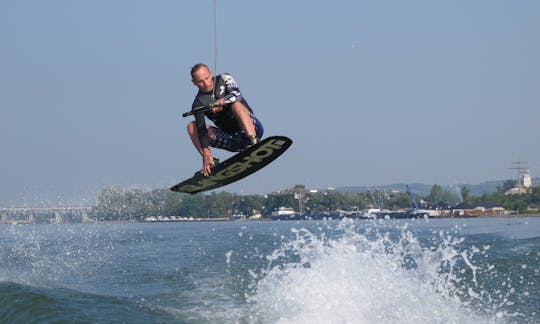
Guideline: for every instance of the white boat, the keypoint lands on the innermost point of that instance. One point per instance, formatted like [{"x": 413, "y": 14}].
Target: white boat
[{"x": 285, "y": 213}]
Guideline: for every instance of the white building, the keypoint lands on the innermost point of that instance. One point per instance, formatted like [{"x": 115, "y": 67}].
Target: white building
[{"x": 524, "y": 186}]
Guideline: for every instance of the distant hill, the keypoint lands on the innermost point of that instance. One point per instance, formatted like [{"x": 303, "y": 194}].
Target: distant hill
[{"x": 422, "y": 189}]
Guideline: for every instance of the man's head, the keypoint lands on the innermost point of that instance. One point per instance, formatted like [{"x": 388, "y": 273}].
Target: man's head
[{"x": 201, "y": 76}]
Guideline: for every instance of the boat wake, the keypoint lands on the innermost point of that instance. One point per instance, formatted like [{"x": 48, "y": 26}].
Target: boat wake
[{"x": 365, "y": 276}]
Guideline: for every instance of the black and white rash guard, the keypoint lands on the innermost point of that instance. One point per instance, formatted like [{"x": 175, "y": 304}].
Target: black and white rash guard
[{"x": 224, "y": 87}]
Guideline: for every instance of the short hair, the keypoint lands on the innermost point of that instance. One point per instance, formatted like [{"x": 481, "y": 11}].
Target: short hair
[{"x": 198, "y": 66}]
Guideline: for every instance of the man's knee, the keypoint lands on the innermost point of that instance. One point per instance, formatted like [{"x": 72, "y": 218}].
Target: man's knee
[
  {"x": 238, "y": 107},
  {"x": 191, "y": 124},
  {"x": 191, "y": 127},
  {"x": 241, "y": 112}
]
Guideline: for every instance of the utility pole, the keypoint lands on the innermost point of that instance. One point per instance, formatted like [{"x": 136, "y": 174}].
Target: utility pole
[{"x": 520, "y": 166}]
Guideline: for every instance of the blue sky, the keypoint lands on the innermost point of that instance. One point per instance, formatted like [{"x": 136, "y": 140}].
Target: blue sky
[{"x": 372, "y": 92}]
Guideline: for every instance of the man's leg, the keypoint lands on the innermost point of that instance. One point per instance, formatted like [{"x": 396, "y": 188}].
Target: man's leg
[{"x": 241, "y": 113}]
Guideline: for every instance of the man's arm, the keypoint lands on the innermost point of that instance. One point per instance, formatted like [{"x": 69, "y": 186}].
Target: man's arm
[
  {"x": 204, "y": 149},
  {"x": 232, "y": 92}
]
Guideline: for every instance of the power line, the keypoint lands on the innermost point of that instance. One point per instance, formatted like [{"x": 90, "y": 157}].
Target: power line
[{"x": 521, "y": 166}]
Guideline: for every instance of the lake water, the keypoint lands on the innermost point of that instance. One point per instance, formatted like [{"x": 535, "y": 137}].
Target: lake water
[{"x": 363, "y": 271}]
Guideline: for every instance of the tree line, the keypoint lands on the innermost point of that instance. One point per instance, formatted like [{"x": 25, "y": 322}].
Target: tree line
[{"x": 116, "y": 203}]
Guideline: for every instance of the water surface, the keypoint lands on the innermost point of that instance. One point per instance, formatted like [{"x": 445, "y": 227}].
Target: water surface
[{"x": 364, "y": 271}]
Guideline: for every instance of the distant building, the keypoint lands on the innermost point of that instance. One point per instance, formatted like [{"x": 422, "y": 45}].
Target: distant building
[
  {"x": 256, "y": 214},
  {"x": 526, "y": 181},
  {"x": 524, "y": 186}
]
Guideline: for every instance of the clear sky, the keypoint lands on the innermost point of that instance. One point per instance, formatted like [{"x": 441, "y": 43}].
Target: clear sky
[{"x": 371, "y": 92}]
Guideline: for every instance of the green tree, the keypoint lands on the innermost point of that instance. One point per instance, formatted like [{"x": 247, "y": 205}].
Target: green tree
[
  {"x": 507, "y": 185},
  {"x": 193, "y": 206},
  {"x": 435, "y": 195},
  {"x": 314, "y": 204},
  {"x": 465, "y": 194},
  {"x": 535, "y": 196},
  {"x": 220, "y": 204},
  {"x": 397, "y": 201},
  {"x": 173, "y": 203}
]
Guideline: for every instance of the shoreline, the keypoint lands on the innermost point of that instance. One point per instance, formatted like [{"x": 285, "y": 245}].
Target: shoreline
[
  {"x": 205, "y": 220},
  {"x": 222, "y": 219}
]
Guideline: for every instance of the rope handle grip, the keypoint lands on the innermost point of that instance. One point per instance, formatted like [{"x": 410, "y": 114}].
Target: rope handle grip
[
  {"x": 200, "y": 109},
  {"x": 196, "y": 110}
]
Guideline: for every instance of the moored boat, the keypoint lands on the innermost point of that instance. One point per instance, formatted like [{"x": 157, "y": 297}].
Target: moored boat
[{"x": 286, "y": 213}]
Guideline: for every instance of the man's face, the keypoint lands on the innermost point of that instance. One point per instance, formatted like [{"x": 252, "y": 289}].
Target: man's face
[{"x": 202, "y": 79}]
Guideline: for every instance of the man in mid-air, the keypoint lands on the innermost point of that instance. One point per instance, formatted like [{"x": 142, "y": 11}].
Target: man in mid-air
[{"x": 236, "y": 128}]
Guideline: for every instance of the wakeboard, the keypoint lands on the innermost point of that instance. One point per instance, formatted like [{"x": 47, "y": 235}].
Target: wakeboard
[{"x": 237, "y": 167}]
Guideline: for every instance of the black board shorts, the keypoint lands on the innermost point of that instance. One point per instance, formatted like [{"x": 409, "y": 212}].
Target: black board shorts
[{"x": 237, "y": 141}]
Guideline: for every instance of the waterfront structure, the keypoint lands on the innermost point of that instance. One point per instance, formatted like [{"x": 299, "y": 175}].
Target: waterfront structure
[{"x": 55, "y": 214}]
